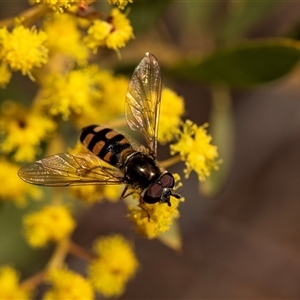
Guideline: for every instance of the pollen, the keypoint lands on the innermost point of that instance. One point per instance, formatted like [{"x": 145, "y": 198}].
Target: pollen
[
  {"x": 50, "y": 224},
  {"x": 195, "y": 149},
  {"x": 66, "y": 284},
  {"x": 121, "y": 31},
  {"x": 75, "y": 92},
  {"x": 5, "y": 75},
  {"x": 56, "y": 5},
  {"x": 9, "y": 285},
  {"x": 115, "y": 265},
  {"x": 150, "y": 220},
  {"x": 22, "y": 49},
  {"x": 22, "y": 131},
  {"x": 114, "y": 33},
  {"x": 170, "y": 119},
  {"x": 64, "y": 37},
  {"x": 15, "y": 190}
]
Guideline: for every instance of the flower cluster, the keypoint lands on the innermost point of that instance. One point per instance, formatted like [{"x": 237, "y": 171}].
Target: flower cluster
[
  {"x": 195, "y": 149},
  {"x": 56, "y": 5},
  {"x": 170, "y": 119},
  {"x": 22, "y": 49},
  {"x": 51, "y": 223},
  {"x": 113, "y": 33},
  {"x": 151, "y": 220},
  {"x": 14, "y": 189},
  {"x": 23, "y": 130},
  {"x": 114, "y": 266},
  {"x": 70, "y": 45},
  {"x": 66, "y": 284},
  {"x": 55, "y": 44},
  {"x": 9, "y": 285}
]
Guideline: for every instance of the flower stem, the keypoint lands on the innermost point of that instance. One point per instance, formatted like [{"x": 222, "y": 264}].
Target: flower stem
[
  {"x": 29, "y": 16},
  {"x": 33, "y": 281},
  {"x": 59, "y": 255},
  {"x": 80, "y": 252},
  {"x": 171, "y": 161}
]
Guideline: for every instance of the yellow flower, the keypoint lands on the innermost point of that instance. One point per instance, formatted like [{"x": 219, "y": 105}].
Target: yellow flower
[
  {"x": 114, "y": 33},
  {"x": 113, "y": 89},
  {"x": 56, "y": 5},
  {"x": 195, "y": 148},
  {"x": 74, "y": 92},
  {"x": 96, "y": 35},
  {"x": 23, "y": 48},
  {"x": 9, "y": 285},
  {"x": 64, "y": 37},
  {"x": 51, "y": 223},
  {"x": 67, "y": 284},
  {"x": 121, "y": 31},
  {"x": 120, "y": 3},
  {"x": 22, "y": 131},
  {"x": 171, "y": 110},
  {"x": 115, "y": 265},
  {"x": 5, "y": 75},
  {"x": 13, "y": 188},
  {"x": 150, "y": 220}
]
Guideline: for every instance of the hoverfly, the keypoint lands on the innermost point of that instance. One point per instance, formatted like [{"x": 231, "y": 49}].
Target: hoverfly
[{"x": 112, "y": 158}]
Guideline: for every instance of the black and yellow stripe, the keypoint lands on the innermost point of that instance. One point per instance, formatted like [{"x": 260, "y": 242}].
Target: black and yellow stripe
[{"x": 105, "y": 143}]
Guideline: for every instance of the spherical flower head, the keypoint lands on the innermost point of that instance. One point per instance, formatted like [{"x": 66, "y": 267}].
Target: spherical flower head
[
  {"x": 114, "y": 89},
  {"x": 113, "y": 33},
  {"x": 22, "y": 49},
  {"x": 97, "y": 34},
  {"x": 150, "y": 220},
  {"x": 120, "y": 3},
  {"x": 64, "y": 37},
  {"x": 67, "y": 284},
  {"x": 195, "y": 148},
  {"x": 51, "y": 223},
  {"x": 9, "y": 285},
  {"x": 13, "y": 188},
  {"x": 170, "y": 119},
  {"x": 121, "y": 31},
  {"x": 56, "y": 5},
  {"x": 75, "y": 92},
  {"x": 5, "y": 75},
  {"x": 115, "y": 265},
  {"x": 22, "y": 131}
]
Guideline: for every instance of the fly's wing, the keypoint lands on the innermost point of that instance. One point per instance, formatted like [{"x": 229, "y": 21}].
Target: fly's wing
[
  {"x": 143, "y": 100},
  {"x": 66, "y": 169}
]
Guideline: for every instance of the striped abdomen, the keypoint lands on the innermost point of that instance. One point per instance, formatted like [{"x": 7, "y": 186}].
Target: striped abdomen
[{"x": 105, "y": 143}]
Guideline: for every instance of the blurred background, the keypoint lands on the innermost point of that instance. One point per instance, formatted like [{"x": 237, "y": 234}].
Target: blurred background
[{"x": 241, "y": 230}]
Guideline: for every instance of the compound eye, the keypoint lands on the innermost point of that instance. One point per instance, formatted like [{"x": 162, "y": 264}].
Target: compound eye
[
  {"x": 153, "y": 194},
  {"x": 167, "y": 180}
]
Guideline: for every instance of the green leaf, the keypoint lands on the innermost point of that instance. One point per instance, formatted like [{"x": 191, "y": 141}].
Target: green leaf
[
  {"x": 243, "y": 15},
  {"x": 245, "y": 65}
]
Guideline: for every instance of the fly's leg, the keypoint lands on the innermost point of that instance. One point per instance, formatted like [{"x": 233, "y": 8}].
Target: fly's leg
[
  {"x": 127, "y": 193},
  {"x": 143, "y": 208}
]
